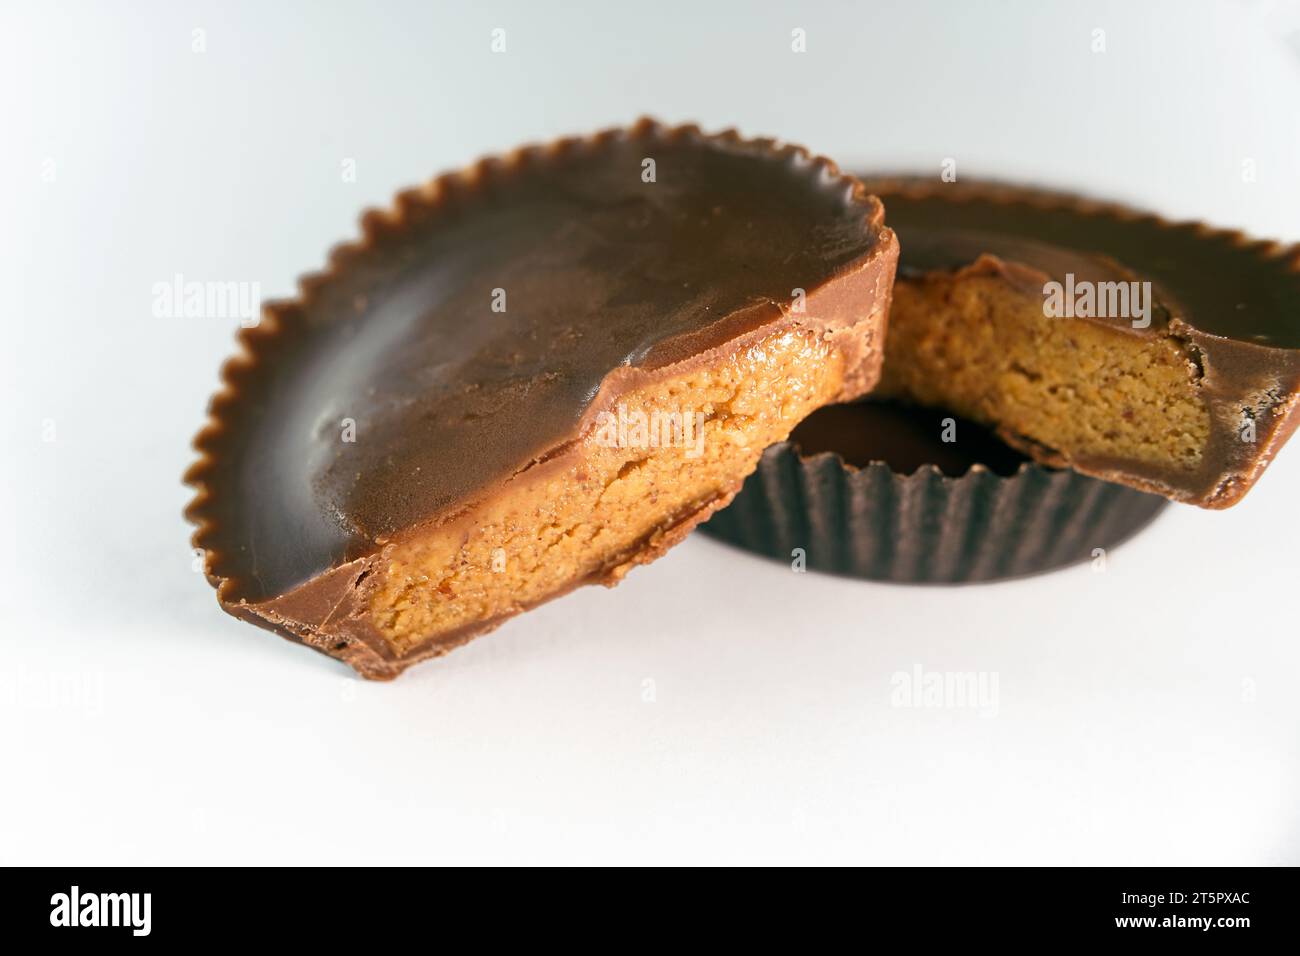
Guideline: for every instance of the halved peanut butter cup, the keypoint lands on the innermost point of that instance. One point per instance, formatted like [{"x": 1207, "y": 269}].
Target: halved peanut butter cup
[
  {"x": 1164, "y": 356},
  {"x": 528, "y": 376}
]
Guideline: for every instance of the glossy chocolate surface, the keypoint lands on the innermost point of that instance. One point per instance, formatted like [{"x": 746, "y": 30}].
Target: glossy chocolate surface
[
  {"x": 1231, "y": 305},
  {"x": 471, "y": 332},
  {"x": 1220, "y": 282}
]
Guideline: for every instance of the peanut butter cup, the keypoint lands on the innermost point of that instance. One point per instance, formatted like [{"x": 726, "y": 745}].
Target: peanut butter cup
[
  {"x": 1160, "y": 355},
  {"x": 528, "y": 376}
]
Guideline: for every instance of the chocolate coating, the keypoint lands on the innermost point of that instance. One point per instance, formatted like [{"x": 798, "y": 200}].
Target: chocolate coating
[
  {"x": 474, "y": 330},
  {"x": 1222, "y": 284},
  {"x": 1231, "y": 304}
]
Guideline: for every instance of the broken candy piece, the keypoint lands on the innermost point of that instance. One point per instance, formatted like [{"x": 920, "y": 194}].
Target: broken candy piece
[
  {"x": 1158, "y": 355},
  {"x": 529, "y": 376}
]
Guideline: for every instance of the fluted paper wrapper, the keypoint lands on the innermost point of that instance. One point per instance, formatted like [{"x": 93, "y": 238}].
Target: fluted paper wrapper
[{"x": 925, "y": 527}]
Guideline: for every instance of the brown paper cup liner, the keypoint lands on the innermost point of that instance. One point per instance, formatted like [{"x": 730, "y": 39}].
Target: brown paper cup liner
[{"x": 926, "y": 527}]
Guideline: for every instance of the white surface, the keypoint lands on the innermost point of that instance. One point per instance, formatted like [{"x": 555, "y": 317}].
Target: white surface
[{"x": 1145, "y": 715}]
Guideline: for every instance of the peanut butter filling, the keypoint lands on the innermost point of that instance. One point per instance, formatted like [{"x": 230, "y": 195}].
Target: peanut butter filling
[
  {"x": 659, "y": 460},
  {"x": 983, "y": 348}
]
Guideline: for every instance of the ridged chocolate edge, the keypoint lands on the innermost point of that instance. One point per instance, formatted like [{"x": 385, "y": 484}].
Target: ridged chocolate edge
[
  {"x": 926, "y": 527},
  {"x": 283, "y": 319},
  {"x": 915, "y": 186}
]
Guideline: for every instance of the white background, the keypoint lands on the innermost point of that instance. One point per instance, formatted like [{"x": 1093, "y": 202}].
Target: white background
[{"x": 1147, "y": 714}]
